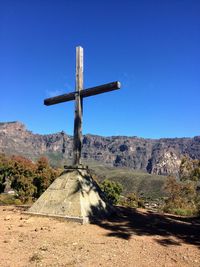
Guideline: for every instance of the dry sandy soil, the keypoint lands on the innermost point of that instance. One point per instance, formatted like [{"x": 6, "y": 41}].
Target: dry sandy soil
[{"x": 133, "y": 238}]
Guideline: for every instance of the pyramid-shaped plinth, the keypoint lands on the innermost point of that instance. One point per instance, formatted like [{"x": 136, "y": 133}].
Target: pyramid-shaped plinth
[{"x": 75, "y": 196}]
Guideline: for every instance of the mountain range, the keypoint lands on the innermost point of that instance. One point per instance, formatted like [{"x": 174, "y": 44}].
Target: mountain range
[{"x": 155, "y": 156}]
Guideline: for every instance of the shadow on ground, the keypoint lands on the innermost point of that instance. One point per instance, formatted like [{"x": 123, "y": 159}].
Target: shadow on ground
[{"x": 129, "y": 222}]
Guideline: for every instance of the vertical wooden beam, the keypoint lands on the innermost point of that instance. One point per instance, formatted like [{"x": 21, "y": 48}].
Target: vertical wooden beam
[{"x": 78, "y": 107}]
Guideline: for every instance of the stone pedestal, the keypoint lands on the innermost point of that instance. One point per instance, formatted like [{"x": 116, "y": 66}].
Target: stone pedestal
[{"x": 74, "y": 196}]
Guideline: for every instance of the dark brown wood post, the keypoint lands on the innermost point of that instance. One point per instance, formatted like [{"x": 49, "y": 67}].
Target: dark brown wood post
[{"x": 78, "y": 107}]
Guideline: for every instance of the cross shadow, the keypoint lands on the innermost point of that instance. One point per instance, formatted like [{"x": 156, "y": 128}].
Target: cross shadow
[{"x": 128, "y": 222}]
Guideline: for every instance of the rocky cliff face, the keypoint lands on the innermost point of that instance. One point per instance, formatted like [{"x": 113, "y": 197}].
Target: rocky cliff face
[{"x": 161, "y": 156}]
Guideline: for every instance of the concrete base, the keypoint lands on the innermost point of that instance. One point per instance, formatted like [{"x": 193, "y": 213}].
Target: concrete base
[{"x": 73, "y": 196}]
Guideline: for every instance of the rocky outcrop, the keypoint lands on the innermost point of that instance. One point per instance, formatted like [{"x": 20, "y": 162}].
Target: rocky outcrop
[
  {"x": 167, "y": 163},
  {"x": 158, "y": 156}
]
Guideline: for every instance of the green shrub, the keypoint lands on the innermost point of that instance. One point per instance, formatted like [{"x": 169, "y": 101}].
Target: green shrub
[
  {"x": 112, "y": 190},
  {"x": 6, "y": 199},
  {"x": 132, "y": 201}
]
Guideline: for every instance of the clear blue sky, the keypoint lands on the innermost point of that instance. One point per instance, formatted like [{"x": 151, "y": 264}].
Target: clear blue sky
[{"x": 152, "y": 47}]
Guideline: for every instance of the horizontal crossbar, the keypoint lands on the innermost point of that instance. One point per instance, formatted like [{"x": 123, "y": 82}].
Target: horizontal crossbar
[{"x": 83, "y": 93}]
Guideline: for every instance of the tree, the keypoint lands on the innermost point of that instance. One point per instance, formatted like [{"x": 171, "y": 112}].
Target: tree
[
  {"x": 5, "y": 170},
  {"x": 24, "y": 187},
  {"x": 23, "y": 172},
  {"x": 29, "y": 180},
  {"x": 182, "y": 197},
  {"x": 44, "y": 176},
  {"x": 190, "y": 170}
]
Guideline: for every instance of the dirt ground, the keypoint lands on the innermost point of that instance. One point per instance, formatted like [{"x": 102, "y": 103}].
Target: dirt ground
[{"x": 133, "y": 238}]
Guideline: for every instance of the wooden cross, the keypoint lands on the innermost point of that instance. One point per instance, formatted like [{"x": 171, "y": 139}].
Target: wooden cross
[{"x": 78, "y": 96}]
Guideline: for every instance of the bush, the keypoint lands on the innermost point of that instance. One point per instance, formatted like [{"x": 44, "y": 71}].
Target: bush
[
  {"x": 181, "y": 211},
  {"x": 132, "y": 201},
  {"x": 6, "y": 199},
  {"x": 182, "y": 197},
  {"x": 29, "y": 180},
  {"x": 44, "y": 176},
  {"x": 112, "y": 191}
]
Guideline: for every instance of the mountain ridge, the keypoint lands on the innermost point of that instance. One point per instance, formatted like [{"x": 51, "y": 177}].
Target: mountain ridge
[
  {"x": 157, "y": 156},
  {"x": 104, "y": 136}
]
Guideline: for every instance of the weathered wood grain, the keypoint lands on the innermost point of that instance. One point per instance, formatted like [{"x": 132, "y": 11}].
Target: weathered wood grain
[
  {"x": 83, "y": 93},
  {"x": 78, "y": 107},
  {"x": 78, "y": 96}
]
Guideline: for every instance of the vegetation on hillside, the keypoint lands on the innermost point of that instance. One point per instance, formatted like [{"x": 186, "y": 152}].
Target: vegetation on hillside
[
  {"x": 29, "y": 180},
  {"x": 143, "y": 184},
  {"x": 184, "y": 194}
]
